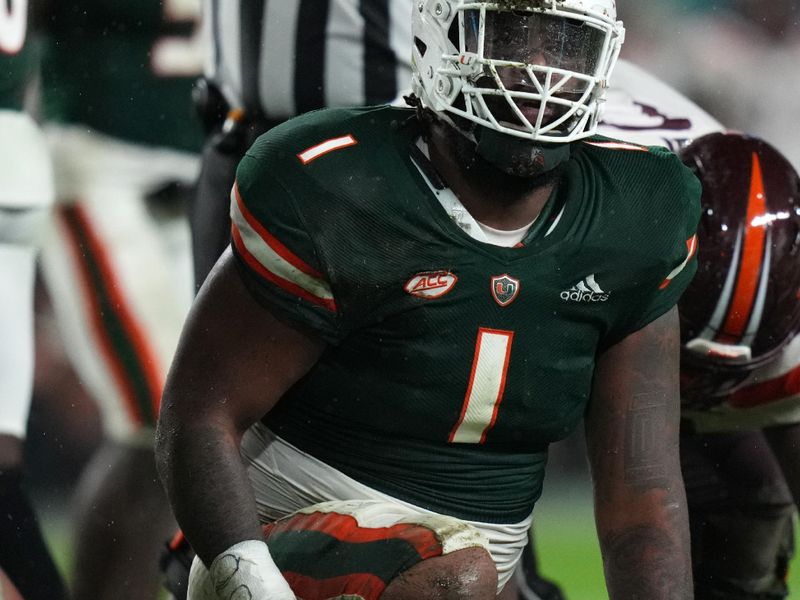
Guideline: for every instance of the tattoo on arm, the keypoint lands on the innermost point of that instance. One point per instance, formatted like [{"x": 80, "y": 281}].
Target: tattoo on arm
[
  {"x": 644, "y": 440},
  {"x": 632, "y": 434}
]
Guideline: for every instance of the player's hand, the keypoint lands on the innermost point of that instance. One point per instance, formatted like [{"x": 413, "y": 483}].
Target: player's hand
[{"x": 245, "y": 571}]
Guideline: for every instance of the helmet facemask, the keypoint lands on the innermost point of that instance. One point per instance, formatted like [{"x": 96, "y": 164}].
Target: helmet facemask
[{"x": 536, "y": 71}]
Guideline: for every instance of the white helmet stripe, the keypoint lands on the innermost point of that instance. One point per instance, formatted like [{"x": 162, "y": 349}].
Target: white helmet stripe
[
  {"x": 726, "y": 294},
  {"x": 761, "y": 295}
]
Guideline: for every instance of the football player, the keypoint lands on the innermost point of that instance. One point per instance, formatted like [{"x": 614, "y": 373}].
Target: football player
[
  {"x": 26, "y": 194},
  {"x": 740, "y": 433},
  {"x": 740, "y": 355},
  {"x": 117, "y": 80},
  {"x": 418, "y": 302}
]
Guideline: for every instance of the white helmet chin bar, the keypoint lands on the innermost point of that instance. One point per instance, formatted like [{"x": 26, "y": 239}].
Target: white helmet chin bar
[{"x": 517, "y": 80}]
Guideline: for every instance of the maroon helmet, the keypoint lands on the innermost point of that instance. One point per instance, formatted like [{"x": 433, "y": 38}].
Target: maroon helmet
[{"x": 742, "y": 307}]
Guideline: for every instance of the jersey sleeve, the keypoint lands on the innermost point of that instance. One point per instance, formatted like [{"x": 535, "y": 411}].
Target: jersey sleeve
[
  {"x": 671, "y": 241},
  {"x": 277, "y": 256}
]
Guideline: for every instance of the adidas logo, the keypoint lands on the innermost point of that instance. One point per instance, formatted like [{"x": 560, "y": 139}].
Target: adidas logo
[{"x": 586, "y": 290}]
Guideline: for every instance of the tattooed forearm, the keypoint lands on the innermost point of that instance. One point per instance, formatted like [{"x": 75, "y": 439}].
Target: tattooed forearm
[
  {"x": 643, "y": 563},
  {"x": 632, "y": 432},
  {"x": 644, "y": 440}
]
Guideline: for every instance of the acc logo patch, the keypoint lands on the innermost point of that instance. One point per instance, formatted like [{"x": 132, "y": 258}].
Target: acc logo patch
[
  {"x": 432, "y": 284},
  {"x": 504, "y": 289}
]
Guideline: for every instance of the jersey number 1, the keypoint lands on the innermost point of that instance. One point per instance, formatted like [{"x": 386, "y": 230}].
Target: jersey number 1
[
  {"x": 13, "y": 22},
  {"x": 487, "y": 382}
]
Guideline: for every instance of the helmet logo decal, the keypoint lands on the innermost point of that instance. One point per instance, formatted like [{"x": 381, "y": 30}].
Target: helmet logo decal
[
  {"x": 505, "y": 289},
  {"x": 751, "y": 265},
  {"x": 430, "y": 284},
  {"x": 741, "y": 311}
]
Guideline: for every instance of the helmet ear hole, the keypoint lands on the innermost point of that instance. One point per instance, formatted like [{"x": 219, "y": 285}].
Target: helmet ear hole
[
  {"x": 422, "y": 47},
  {"x": 453, "y": 34}
]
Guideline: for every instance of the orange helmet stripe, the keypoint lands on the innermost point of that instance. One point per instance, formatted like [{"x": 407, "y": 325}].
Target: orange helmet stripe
[{"x": 751, "y": 263}]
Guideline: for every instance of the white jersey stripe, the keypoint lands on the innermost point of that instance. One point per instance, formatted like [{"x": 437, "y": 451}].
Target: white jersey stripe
[
  {"x": 761, "y": 295},
  {"x": 618, "y": 146},
  {"x": 691, "y": 246},
  {"x": 555, "y": 223},
  {"x": 272, "y": 261}
]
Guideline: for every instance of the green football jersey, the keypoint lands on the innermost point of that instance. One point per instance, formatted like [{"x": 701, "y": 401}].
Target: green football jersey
[
  {"x": 18, "y": 56},
  {"x": 452, "y": 363},
  {"x": 125, "y": 69}
]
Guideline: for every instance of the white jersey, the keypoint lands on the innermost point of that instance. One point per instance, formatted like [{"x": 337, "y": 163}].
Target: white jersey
[
  {"x": 644, "y": 110},
  {"x": 26, "y": 194}
]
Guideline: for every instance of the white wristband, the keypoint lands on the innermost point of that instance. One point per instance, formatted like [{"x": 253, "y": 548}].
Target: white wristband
[{"x": 243, "y": 571}]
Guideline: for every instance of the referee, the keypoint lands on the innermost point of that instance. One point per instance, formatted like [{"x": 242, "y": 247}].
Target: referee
[{"x": 270, "y": 60}]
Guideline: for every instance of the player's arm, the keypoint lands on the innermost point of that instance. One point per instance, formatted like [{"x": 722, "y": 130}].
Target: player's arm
[
  {"x": 233, "y": 363},
  {"x": 632, "y": 435}
]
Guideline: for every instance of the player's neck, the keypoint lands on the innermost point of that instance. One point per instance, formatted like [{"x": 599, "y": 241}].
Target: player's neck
[{"x": 491, "y": 196}]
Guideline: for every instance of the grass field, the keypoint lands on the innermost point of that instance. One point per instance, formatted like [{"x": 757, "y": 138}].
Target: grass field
[{"x": 567, "y": 543}]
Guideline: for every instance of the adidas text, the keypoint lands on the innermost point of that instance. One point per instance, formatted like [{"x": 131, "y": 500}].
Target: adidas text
[
  {"x": 586, "y": 290},
  {"x": 574, "y": 295}
]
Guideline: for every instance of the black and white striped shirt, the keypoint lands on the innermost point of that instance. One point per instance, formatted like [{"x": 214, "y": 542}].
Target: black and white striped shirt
[{"x": 285, "y": 57}]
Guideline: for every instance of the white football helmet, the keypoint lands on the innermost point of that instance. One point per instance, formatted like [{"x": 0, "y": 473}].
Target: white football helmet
[{"x": 532, "y": 69}]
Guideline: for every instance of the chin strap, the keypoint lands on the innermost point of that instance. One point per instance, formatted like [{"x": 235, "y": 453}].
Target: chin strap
[{"x": 516, "y": 156}]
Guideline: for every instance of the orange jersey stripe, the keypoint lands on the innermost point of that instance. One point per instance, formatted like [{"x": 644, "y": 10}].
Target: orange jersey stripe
[
  {"x": 277, "y": 246},
  {"x": 346, "y": 528},
  {"x": 95, "y": 319},
  {"x": 147, "y": 356},
  {"x": 287, "y": 285}
]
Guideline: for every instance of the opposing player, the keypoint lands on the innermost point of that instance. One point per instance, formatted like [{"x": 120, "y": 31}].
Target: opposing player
[
  {"x": 26, "y": 194},
  {"x": 117, "y": 91},
  {"x": 738, "y": 443},
  {"x": 740, "y": 360},
  {"x": 740, "y": 435},
  {"x": 417, "y": 304}
]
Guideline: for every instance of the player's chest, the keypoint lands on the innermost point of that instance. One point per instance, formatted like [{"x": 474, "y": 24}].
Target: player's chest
[{"x": 481, "y": 344}]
